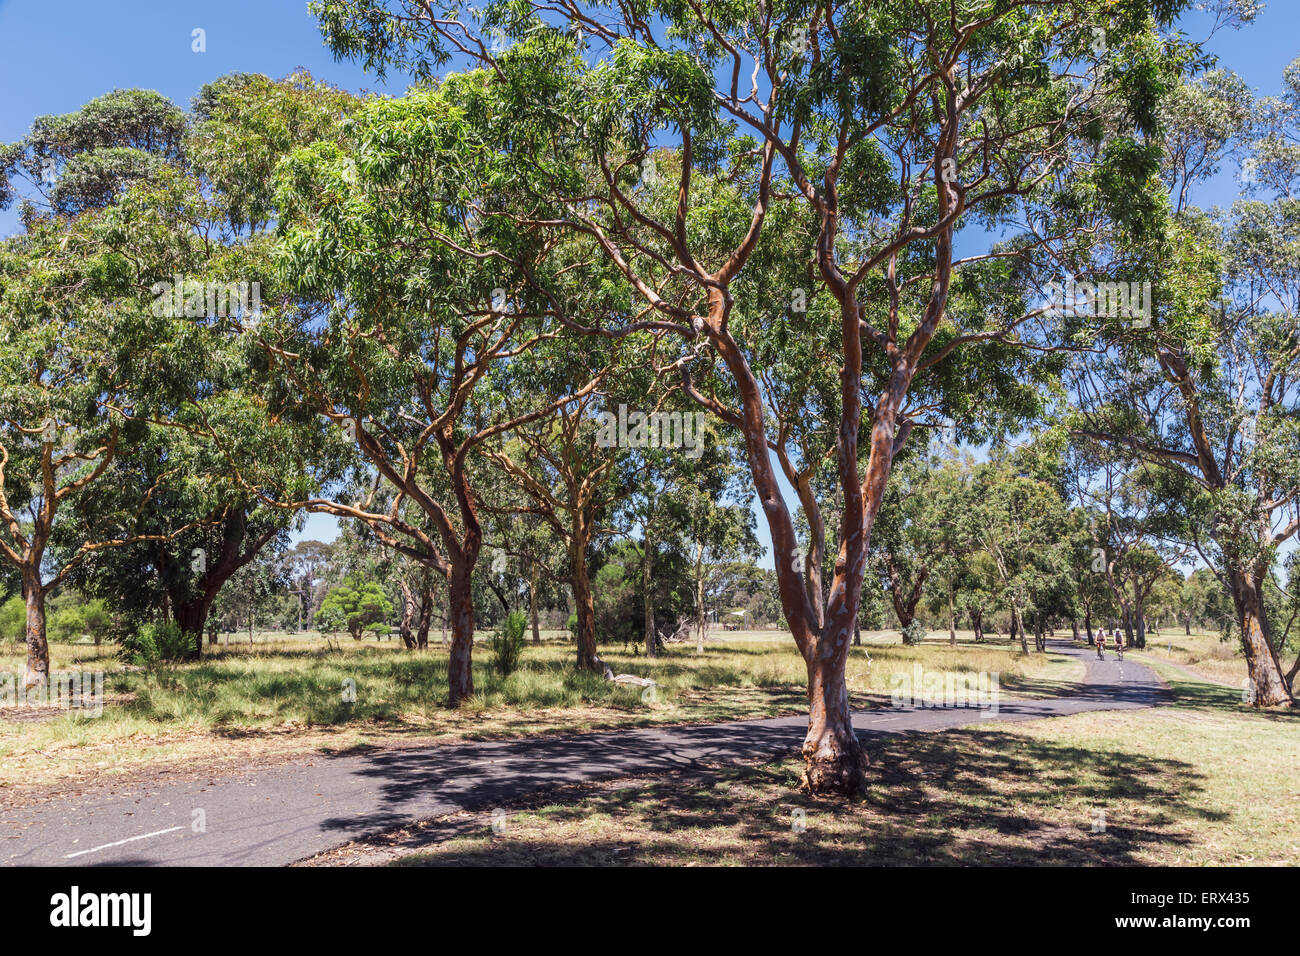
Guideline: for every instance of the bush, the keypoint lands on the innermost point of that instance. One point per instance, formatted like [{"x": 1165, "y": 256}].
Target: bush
[
  {"x": 508, "y": 644},
  {"x": 13, "y": 618},
  {"x": 154, "y": 644},
  {"x": 914, "y": 633}
]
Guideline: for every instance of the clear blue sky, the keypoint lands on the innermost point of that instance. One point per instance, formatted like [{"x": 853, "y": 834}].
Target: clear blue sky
[{"x": 54, "y": 56}]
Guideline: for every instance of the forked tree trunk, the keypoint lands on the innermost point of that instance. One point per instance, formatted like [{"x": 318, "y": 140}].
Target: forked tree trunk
[
  {"x": 37, "y": 674},
  {"x": 1268, "y": 685},
  {"x": 977, "y": 624}
]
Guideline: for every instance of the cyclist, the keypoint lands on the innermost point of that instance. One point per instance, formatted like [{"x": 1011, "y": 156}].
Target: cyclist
[
  {"x": 1119, "y": 644},
  {"x": 1101, "y": 644}
]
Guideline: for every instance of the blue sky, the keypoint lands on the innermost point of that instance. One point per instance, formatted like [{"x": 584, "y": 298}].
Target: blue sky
[{"x": 55, "y": 57}]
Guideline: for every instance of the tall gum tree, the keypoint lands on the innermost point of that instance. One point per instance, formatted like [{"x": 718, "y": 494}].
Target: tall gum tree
[
  {"x": 894, "y": 125},
  {"x": 80, "y": 376},
  {"x": 407, "y": 299}
]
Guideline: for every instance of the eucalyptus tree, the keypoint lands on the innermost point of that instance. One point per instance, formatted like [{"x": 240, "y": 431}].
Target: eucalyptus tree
[
  {"x": 900, "y": 130},
  {"x": 82, "y": 376},
  {"x": 1019, "y": 521},
  {"x": 1208, "y": 391},
  {"x": 408, "y": 304}
]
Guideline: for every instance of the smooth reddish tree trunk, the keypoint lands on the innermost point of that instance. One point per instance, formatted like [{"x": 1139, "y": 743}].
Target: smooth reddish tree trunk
[{"x": 460, "y": 671}]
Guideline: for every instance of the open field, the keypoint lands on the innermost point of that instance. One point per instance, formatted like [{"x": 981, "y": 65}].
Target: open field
[
  {"x": 1172, "y": 785},
  {"x": 288, "y": 696}
]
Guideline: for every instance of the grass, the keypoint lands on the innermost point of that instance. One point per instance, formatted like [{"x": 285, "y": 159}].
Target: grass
[
  {"x": 291, "y": 695},
  {"x": 1204, "y": 781},
  {"x": 1201, "y": 652}
]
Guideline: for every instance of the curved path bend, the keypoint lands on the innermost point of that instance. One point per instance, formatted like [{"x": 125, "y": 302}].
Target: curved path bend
[{"x": 276, "y": 816}]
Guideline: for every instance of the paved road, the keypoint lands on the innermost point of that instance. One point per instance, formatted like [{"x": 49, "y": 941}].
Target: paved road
[{"x": 276, "y": 816}]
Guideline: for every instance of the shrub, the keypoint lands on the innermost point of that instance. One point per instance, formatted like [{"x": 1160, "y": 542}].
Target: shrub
[
  {"x": 914, "y": 633},
  {"x": 356, "y": 607},
  {"x": 13, "y": 618},
  {"x": 154, "y": 644},
  {"x": 508, "y": 644}
]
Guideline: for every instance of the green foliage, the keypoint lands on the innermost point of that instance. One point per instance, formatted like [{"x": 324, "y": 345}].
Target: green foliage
[
  {"x": 13, "y": 618},
  {"x": 914, "y": 633},
  {"x": 356, "y": 607},
  {"x": 507, "y": 644},
  {"x": 156, "y": 643}
]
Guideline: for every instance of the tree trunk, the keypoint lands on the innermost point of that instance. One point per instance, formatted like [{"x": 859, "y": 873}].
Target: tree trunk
[
  {"x": 1087, "y": 622},
  {"x": 699, "y": 598},
  {"x": 977, "y": 624},
  {"x": 1074, "y": 626},
  {"x": 857, "y": 634},
  {"x": 1267, "y": 683},
  {"x": 834, "y": 761},
  {"x": 647, "y": 559},
  {"x": 408, "y": 612},
  {"x": 38, "y": 650},
  {"x": 1018, "y": 625},
  {"x": 585, "y": 609},
  {"x": 952, "y": 621},
  {"x": 425, "y": 618},
  {"x": 191, "y": 616},
  {"x": 532, "y": 602},
  {"x": 460, "y": 672}
]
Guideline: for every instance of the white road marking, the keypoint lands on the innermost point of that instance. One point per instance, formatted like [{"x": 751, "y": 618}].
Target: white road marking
[
  {"x": 886, "y": 720},
  {"x": 142, "y": 836}
]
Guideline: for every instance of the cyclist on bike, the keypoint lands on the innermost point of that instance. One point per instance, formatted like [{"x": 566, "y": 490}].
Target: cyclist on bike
[
  {"x": 1101, "y": 644},
  {"x": 1119, "y": 644}
]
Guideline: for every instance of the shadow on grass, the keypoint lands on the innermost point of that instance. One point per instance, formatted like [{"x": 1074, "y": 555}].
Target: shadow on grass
[
  {"x": 1215, "y": 698},
  {"x": 933, "y": 800}
]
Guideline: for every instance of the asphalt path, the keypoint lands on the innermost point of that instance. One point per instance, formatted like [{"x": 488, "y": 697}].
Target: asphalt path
[{"x": 278, "y": 815}]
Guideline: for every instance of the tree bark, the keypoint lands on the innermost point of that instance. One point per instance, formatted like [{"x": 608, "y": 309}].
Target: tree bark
[
  {"x": 834, "y": 761},
  {"x": 37, "y": 674},
  {"x": 408, "y": 613},
  {"x": 425, "y": 618},
  {"x": 532, "y": 602},
  {"x": 647, "y": 559},
  {"x": 699, "y": 598},
  {"x": 460, "y": 671},
  {"x": 584, "y": 607},
  {"x": 1018, "y": 626},
  {"x": 1267, "y": 682}
]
